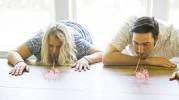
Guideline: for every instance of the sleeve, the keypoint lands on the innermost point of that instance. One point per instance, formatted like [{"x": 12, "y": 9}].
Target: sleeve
[
  {"x": 123, "y": 36},
  {"x": 82, "y": 38},
  {"x": 34, "y": 44},
  {"x": 83, "y": 46}
]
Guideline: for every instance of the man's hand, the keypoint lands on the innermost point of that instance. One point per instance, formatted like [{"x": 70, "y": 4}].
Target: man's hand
[
  {"x": 159, "y": 61},
  {"x": 174, "y": 76},
  {"x": 19, "y": 68},
  {"x": 81, "y": 64}
]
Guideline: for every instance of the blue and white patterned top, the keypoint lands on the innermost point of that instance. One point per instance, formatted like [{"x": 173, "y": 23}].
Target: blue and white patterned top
[{"x": 81, "y": 37}]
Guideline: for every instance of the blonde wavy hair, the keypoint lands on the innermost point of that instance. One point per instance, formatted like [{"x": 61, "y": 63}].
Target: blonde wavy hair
[{"x": 67, "y": 51}]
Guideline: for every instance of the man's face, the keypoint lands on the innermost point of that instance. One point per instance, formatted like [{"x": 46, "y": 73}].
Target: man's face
[
  {"x": 143, "y": 43},
  {"x": 54, "y": 47}
]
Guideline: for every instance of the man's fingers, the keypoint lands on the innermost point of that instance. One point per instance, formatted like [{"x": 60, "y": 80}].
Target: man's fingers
[
  {"x": 73, "y": 65},
  {"x": 174, "y": 76},
  {"x": 174, "y": 65},
  {"x": 170, "y": 65}
]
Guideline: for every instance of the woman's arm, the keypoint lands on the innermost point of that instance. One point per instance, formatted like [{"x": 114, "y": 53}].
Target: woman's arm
[
  {"x": 16, "y": 58},
  {"x": 20, "y": 54},
  {"x": 94, "y": 57}
]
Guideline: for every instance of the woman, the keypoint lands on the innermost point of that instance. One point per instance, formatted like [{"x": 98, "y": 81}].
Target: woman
[{"x": 63, "y": 43}]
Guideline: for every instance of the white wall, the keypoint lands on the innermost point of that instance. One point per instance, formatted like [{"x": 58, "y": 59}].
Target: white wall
[
  {"x": 161, "y": 9},
  {"x": 62, "y": 9}
]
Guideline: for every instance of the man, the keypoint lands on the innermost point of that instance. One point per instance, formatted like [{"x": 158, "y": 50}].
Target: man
[
  {"x": 63, "y": 43},
  {"x": 153, "y": 41}
]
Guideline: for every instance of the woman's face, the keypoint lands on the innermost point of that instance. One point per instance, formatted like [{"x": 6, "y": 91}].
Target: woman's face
[{"x": 54, "y": 47}]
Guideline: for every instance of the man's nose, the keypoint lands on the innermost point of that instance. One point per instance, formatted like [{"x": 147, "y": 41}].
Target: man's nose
[{"x": 140, "y": 49}]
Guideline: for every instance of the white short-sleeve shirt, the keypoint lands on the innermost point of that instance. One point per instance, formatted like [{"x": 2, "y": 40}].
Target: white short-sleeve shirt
[{"x": 166, "y": 46}]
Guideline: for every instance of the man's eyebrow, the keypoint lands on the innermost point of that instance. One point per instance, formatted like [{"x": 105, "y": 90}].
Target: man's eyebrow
[
  {"x": 142, "y": 43},
  {"x": 134, "y": 41},
  {"x": 147, "y": 42}
]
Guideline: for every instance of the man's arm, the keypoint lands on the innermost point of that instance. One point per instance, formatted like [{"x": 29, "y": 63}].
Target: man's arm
[
  {"x": 115, "y": 57},
  {"x": 112, "y": 56}
]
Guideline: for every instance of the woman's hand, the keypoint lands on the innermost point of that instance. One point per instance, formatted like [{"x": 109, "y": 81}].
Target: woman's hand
[
  {"x": 82, "y": 64},
  {"x": 19, "y": 68}
]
